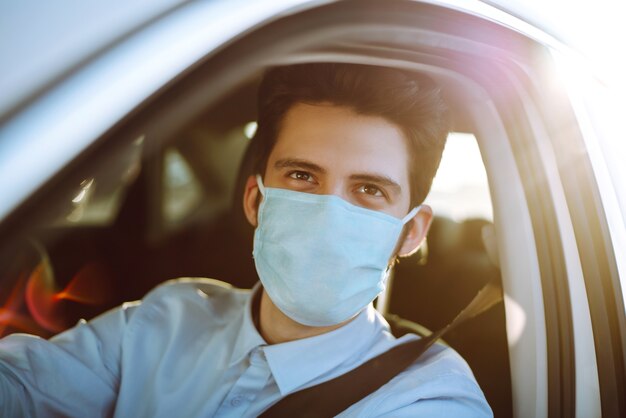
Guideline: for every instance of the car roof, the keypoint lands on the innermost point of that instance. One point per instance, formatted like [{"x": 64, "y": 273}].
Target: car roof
[{"x": 42, "y": 41}]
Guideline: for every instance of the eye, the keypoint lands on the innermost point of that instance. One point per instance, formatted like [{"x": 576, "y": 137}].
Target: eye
[
  {"x": 371, "y": 190},
  {"x": 301, "y": 175}
]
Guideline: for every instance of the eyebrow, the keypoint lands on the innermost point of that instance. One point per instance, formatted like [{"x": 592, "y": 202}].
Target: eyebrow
[
  {"x": 298, "y": 163},
  {"x": 379, "y": 180}
]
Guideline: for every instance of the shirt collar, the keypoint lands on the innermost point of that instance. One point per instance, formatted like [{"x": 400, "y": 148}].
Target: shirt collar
[
  {"x": 248, "y": 337},
  {"x": 296, "y": 363}
]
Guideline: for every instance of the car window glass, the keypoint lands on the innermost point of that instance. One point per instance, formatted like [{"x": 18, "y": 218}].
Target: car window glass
[
  {"x": 181, "y": 190},
  {"x": 98, "y": 196},
  {"x": 460, "y": 189},
  {"x": 199, "y": 174},
  {"x": 223, "y": 154}
]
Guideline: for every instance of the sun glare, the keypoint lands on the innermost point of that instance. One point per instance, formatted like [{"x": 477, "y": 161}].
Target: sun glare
[{"x": 595, "y": 29}]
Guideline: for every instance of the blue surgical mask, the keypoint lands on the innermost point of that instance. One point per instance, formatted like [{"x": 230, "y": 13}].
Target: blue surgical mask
[{"x": 321, "y": 259}]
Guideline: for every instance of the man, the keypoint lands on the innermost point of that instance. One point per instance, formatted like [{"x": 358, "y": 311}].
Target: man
[{"x": 345, "y": 155}]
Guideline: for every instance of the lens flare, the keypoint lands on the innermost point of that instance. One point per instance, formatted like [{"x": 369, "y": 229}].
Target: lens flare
[
  {"x": 19, "y": 321},
  {"x": 88, "y": 287},
  {"x": 10, "y": 315},
  {"x": 47, "y": 304}
]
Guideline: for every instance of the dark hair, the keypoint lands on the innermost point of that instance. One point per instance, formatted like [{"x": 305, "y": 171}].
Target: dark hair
[{"x": 411, "y": 101}]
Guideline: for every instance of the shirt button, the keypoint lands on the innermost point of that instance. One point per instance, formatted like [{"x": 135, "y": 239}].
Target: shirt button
[{"x": 236, "y": 401}]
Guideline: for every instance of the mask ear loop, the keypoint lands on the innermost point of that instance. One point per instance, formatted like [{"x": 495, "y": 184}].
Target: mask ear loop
[
  {"x": 411, "y": 214},
  {"x": 259, "y": 182}
]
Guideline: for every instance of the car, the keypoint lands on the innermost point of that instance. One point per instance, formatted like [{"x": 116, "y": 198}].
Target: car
[{"x": 123, "y": 137}]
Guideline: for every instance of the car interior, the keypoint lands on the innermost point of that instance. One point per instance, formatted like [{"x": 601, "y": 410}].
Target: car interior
[{"x": 159, "y": 195}]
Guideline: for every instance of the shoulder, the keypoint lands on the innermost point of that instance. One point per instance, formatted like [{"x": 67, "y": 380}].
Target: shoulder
[
  {"x": 186, "y": 298},
  {"x": 440, "y": 372},
  {"x": 186, "y": 287},
  {"x": 438, "y": 384}
]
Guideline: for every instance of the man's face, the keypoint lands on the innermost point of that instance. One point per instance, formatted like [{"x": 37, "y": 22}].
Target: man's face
[
  {"x": 331, "y": 150},
  {"x": 327, "y": 149}
]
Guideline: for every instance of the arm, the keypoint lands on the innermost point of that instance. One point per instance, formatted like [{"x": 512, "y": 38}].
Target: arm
[{"x": 75, "y": 373}]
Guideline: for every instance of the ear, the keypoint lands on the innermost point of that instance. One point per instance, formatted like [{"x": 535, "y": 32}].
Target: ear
[
  {"x": 251, "y": 200},
  {"x": 417, "y": 230}
]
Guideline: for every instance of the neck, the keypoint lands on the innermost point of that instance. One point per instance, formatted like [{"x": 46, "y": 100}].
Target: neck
[{"x": 276, "y": 327}]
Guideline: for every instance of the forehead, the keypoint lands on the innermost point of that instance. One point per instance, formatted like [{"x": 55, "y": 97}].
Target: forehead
[{"x": 340, "y": 140}]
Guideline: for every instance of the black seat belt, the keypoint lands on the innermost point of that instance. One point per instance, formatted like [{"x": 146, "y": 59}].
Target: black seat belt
[{"x": 333, "y": 396}]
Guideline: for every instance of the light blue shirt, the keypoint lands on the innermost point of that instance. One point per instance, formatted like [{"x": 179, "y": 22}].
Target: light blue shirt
[{"x": 190, "y": 349}]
